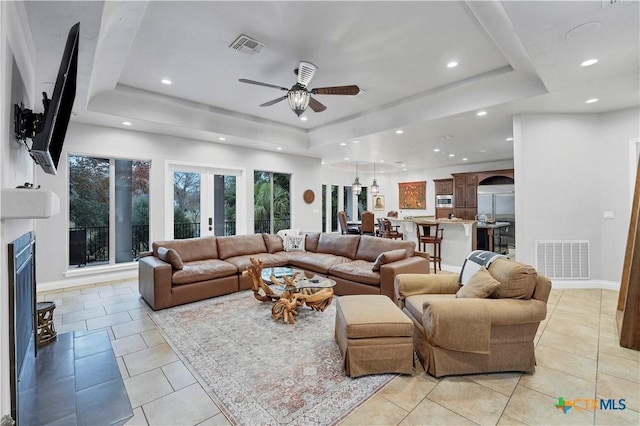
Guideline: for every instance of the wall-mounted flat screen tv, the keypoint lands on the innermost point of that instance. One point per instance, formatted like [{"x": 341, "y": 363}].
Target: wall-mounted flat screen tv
[{"x": 49, "y": 137}]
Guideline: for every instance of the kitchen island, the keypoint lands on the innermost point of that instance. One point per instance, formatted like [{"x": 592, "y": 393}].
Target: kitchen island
[
  {"x": 493, "y": 236},
  {"x": 458, "y": 239}
]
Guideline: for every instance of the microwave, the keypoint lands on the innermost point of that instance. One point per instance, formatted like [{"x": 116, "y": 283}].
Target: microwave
[{"x": 444, "y": 201}]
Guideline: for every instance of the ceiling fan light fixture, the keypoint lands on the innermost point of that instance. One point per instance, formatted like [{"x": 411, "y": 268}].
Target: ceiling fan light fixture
[{"x": 298, "y": 100}]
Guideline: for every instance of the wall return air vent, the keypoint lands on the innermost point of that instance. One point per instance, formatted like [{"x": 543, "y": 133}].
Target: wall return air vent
[
  {"x": 563, "y": 259},
  {"x": 246, "y": 44}
]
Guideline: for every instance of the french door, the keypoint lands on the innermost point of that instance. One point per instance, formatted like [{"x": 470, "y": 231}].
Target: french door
[{"x": 203, "y": 201}]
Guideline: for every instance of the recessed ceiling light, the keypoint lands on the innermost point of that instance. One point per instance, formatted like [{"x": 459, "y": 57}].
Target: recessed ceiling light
[
  {"x": 279, "y": 148},
  {"x": 382, "y": 161},
  {"x": 588, "y": 62},
  {"x": 452, "y": 155},
  {"x": 166, "y": 81},
  {"x": 399, "y": 132},
  {"x": 322, "y": 162},
  {"x": 483, "y": 150},
  {"x": 222, "y": 139},
  {"x": 452, "y": 64},
  {"x": 436, "y": 150},
  {"x": 404, "y": 170},
  {"x": 481, "y": 113},
  {"x": 303, "y": 118},
  {"x": 346, "y": 158},
  {"x": 355, "y": 141},
  {"x": 509, "y": 139},
  {"x": 590, "y": 101},
  {"x": 465, "y": 159},
  {"x": 126, "y": 123},
  {"x": 343, "y": 143}
]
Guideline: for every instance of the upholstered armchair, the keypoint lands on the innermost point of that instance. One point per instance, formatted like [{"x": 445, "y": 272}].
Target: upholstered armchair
[{"x": 489, "y": 327}]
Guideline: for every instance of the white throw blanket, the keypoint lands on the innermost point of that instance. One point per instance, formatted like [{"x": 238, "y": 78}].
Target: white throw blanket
[{"x": 476, "y": 260}]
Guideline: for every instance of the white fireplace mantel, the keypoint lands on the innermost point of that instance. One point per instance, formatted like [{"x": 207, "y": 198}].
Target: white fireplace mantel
[{"x": 27, "y": 203}]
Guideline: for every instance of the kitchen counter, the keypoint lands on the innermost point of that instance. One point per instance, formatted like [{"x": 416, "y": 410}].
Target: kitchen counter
[
  {"x": 493, "y": 225},
  {"x": 458, "y": 239}
]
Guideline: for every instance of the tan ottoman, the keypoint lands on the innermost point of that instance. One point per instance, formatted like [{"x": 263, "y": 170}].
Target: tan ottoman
[{"x": 374, "y": 335}]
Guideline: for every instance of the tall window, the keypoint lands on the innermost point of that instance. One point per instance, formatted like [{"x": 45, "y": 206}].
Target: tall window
[
  {"x": 271, "y": 201},
  {"x": 334, "y": 208},
  {"x": 324, "y": 208},
  {"x": 108, "y": 210}
]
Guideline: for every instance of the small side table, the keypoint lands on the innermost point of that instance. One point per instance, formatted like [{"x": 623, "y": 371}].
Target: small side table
[{"x": 46, "y": 330}]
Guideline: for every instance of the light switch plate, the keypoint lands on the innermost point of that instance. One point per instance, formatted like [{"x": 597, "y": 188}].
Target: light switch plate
[{"x": 608, "y": 214}]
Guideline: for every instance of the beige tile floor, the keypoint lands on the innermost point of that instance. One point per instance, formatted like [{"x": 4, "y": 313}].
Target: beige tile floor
[{"x": 576, "y": 349}]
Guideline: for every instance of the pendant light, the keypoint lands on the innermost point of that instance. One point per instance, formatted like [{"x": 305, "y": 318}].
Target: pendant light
[
  {"x": 356, "y": 188},
  {"x": 374, "y": 188}
]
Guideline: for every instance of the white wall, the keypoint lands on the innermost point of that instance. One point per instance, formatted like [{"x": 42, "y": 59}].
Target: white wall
[
  {"x": 569, "y": 168},
  {"x": 110, "y": 142},
  {"x": 16, "y": 85}
]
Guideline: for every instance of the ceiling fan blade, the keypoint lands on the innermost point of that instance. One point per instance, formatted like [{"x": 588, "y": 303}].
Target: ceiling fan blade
[
  {"x": 275, "y": 101},
  {"x": 337, "y": 90},
  {"x": 306, "y": 71},
  {"x": 244, "y": 80},
  {"x": 316, "y": 106}
]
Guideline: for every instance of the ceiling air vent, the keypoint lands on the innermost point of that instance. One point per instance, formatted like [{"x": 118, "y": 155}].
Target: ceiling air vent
[{"x": 246, "y": 44}]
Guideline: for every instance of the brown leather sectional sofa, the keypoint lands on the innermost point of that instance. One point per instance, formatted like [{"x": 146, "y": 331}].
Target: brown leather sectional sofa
[{"x": 184, "y": 271}]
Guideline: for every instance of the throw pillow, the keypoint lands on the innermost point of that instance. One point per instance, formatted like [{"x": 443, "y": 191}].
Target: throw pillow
[
  {"x": 170, "y": 256},
  {"x": 294, "y": 243},
  {"x": 284, "y": 232},
  {"x": 480, "y": 285},
  {"x": 388, "y": 257}
]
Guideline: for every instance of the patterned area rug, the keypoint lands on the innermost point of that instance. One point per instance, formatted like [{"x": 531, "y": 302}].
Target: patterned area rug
[{"x": 262, "y": 371}]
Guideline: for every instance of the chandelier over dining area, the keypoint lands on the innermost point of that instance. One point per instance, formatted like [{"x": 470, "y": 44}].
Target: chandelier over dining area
[{"x": 356, "y": 188}]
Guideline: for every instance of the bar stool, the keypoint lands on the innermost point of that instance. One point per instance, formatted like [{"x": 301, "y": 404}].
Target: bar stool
[
  {"x": 46, "y": 329},
  {"x": 430, "y": 233}
]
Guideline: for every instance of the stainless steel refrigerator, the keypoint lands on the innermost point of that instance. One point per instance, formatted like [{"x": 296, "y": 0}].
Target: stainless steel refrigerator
[{"x": 497, "y": 202}]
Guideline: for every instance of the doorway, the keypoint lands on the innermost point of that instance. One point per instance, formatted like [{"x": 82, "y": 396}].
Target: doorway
[{"x": 203, "y": 201}]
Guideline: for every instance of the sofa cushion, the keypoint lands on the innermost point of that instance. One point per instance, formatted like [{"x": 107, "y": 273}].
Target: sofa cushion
[
  {"x": 414, "y": 304},
  {"x": 372, "y": 316},
  {"x": 311, "y": 242},
  {"x": 189, "y": 249},
  {"x": 270, "y": 260},
  {"x": 517, "y": 280},
  {"x": 388, "y": 257},
  {"x": 273, "y": 242},
  {"x": 358, "y": 270},
  {"x": 318, "y": 262},
  {"x": 202, "y": 270},
  {"x": 294, "y": 243},
  {"x": 339, "y": 245},
  {"x": 480, "y": 285},
  {"x": 238, "y": 245},
  {"x": 170, "y": 256},
  {"x": 370, "y": 247}
]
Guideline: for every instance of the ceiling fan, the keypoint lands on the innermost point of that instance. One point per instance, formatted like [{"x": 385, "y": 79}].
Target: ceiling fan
[{"x": 299, "y": 97}]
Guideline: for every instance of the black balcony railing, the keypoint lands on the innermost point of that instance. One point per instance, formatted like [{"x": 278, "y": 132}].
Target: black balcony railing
[
  {"x": 96, "y": 244},
  {"x": 264, "y": 226}
]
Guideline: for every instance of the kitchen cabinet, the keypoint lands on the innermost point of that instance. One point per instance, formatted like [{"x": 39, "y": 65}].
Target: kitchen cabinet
[
  {"x": 465, "y": 195},
  {"x": 443, "y": 212},
  {"x": 444, "y": 186}
]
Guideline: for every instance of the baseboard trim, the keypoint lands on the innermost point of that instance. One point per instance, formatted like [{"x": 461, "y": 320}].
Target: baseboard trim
[
  {"x": 87, "y": 280},
  {"x": 577, "y": 284}
]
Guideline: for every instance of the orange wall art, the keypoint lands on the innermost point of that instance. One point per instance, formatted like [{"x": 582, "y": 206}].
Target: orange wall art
[{"x": 412, "y": 195}]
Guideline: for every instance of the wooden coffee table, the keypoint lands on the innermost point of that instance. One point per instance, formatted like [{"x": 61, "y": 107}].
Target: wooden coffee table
[{"x": 296, "y": 288}]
